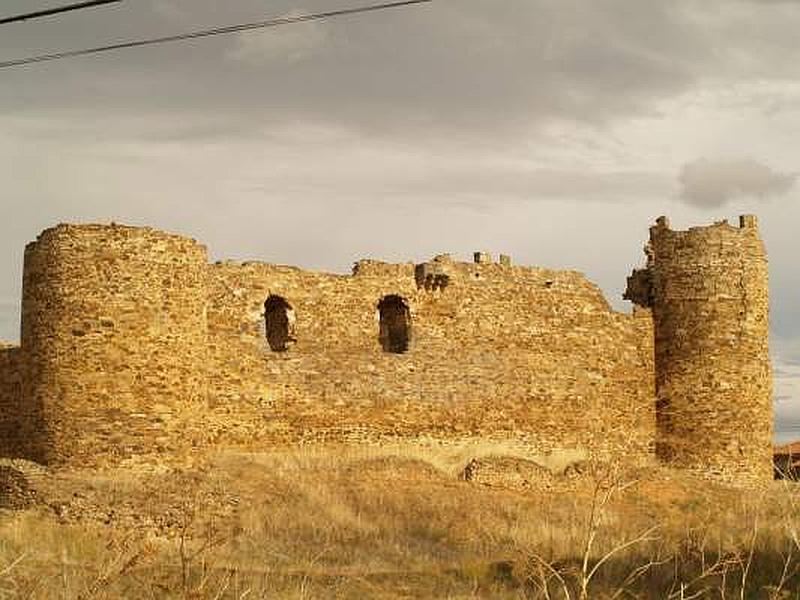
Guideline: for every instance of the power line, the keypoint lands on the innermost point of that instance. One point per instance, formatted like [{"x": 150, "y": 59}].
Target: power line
[
  {"x": 54, "y": 11},
  {"x": 208, "y": 33}
]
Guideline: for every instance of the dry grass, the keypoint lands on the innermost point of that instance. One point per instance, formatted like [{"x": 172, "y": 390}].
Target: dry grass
[{"x": 395, "y": 523}]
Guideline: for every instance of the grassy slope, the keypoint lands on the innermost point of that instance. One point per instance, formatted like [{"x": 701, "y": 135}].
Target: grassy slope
[{"x": 334, "y": 523}]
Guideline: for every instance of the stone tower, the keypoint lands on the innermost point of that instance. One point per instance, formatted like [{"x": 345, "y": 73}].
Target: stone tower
[
  {"x": 114, "y": 338},
  {"x": 708, "y": 290}
]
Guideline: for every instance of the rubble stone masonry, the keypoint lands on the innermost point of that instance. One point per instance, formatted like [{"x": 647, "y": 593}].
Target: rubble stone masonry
[
  {"x": 10, "y": 397},
  {"x": 133, "y": 344},
  {"x": 708, "y": 290},
  {"x": 113, "y": 328},
  {"x": 498, "y": 353}
]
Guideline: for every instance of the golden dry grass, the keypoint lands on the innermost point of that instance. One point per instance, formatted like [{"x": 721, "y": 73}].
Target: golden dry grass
[{"x": 394, "y": 522}]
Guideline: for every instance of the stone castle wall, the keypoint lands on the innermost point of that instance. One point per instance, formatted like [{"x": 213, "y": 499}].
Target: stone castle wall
[
  {"x": 11, "y": 406},
  {"x": 708, "y": 290},
  {"x": 113, "y": 329},
  {"x": 133, "y": 344},
  {"x": 495, "y": 353}
]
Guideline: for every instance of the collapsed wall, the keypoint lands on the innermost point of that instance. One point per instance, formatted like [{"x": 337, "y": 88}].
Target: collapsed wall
[
  {"x": 114, "y": 339},
  {"x": 11, "y": 405},
  {"x": 443, "y": 351},
  {"x": 708, "y": 289}
]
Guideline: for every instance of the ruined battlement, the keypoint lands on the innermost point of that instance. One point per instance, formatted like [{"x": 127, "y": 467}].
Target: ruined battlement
[
  {"x": 134, "y": 344},
  {"x": 746, "y": 222},
  {"x": 708, "y": 290}
]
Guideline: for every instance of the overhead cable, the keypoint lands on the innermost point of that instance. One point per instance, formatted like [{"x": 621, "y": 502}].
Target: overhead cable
[
  {"x": 275, "y": 22},
  {"x": 54, "y": 11}
]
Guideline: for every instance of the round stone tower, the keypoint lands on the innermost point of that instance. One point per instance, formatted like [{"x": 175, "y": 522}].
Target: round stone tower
[
  {"x": 708, "y": 288},
  {"x": 114, "y": 339}
]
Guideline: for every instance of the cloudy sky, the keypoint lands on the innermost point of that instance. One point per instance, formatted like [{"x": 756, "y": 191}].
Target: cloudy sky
[{"x": 551, "y": 130}]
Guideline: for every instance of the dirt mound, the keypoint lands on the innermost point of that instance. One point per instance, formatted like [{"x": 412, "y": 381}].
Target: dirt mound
[{"x": 15, "y": 490}]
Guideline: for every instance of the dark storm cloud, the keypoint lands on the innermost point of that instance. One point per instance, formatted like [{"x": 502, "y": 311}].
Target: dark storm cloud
[{"x": 713, "y": 183}]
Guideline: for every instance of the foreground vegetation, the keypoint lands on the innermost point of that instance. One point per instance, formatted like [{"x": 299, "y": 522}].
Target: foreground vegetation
[{"x": 399, "y": 524}]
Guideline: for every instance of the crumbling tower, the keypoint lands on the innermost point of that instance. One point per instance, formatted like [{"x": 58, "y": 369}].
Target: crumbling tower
[
  {"x": 708, "y": 290},
  {"x": 114, "y": 334}
]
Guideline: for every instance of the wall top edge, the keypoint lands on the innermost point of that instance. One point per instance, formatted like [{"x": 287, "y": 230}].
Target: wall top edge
[
  {"x": 746, "y": 223},
  {"x": 113, "y": 228}
]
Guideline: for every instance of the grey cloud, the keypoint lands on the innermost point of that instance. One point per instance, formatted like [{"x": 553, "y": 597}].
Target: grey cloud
[
  {"x": 528, "y": 184},
  {"x": 712, "y": 183},
  {"x": 454, "y": 65},
  {"x": 268, "y": 160},
  {"x": 786, "y": 355},
  {"x": 476, "y": 69},
  {"x": 288, "y": 44},
  {"x": 394, "y": 134},
  {"x": 787, "y": 392}
]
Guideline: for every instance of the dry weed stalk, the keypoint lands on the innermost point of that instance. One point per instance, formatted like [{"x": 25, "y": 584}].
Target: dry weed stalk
[
  {"x": 776, "y": 592},
  {"x": 790, "y": 518},
  {"x": 623, "y": 589},
  {"x": 128, "y": 553},
  {"x": 7, "y": 573},
  {"x": 188, "y": 556},
  {"x": 544, "y": 572},
  {"x": 685, "y": 590},
  {"x": 608, "y": 483},
  {"x": 751, "y": 549}
]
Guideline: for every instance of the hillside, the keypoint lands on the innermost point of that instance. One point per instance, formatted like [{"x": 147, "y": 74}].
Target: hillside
[{"x": 329, "y": 522}]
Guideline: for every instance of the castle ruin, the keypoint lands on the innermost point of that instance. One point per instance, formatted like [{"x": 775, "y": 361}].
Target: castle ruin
[{"x": 134, "y": 344}]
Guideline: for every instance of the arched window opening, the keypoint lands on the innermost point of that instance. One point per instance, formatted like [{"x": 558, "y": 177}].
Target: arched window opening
[
  {"x": 395, "y": 328},
  {"x": 279, "y": 318}
]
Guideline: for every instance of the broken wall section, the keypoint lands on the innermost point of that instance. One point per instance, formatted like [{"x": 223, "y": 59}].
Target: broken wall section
[
  {"x": 494, "y": 353},
  {"x": 12, "y": 408},
  {"x": 708, "y": 287}
]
